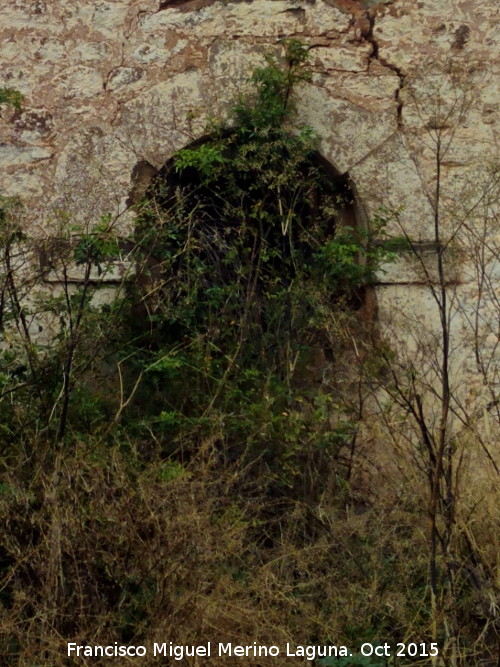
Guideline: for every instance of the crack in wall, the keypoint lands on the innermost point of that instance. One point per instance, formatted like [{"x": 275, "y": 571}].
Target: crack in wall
[
  {"x": 369, "y": 37},
  {"x": 185, "y": 5}
]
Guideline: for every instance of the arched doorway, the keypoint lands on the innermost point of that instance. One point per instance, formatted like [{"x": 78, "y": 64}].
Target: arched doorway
[{"x": 285, "y": 213}]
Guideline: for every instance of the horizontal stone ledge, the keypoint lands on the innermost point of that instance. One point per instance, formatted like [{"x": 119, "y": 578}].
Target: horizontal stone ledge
[
  {"x": 57, "y": 264},
  {"x": 111, "y": 275},
  {"x": 418, "y": 283}
]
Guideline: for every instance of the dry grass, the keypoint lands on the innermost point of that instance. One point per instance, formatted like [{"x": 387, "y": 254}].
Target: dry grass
[{"x": 109, "y": 549}]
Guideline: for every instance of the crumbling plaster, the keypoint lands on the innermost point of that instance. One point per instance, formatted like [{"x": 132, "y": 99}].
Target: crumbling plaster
[{"x": 109, "y": 83}]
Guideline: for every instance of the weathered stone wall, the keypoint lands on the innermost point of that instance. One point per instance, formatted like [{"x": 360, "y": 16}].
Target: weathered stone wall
[{"x": 110, "y": 83}]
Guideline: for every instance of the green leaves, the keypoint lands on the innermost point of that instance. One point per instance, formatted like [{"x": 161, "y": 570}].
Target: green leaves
[
  {"x": 205, "y": 159},
  {"x": 11, "y": 97},
  {"x": 272, "y": 103},
  {"x": 99, "y": 246},
  {"x": 252, "y": 257}
]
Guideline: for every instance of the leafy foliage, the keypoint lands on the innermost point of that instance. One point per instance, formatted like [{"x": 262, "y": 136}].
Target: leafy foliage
[
  {"x": 11, "y": 97},
  {"x": 248, "y": 257},
  {"x": 99, "y": 246},
  {"x": 189, "y": 457}
]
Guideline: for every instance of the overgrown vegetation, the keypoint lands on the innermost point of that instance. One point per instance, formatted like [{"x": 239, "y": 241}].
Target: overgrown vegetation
[
  {"x": 189, "y": 457},
  {"x": 11, "y": 97},
  {"x": 251, "y": 271}
]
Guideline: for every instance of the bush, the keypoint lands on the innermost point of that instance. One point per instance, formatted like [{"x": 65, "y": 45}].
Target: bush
[{"x": 189, "y": 460}]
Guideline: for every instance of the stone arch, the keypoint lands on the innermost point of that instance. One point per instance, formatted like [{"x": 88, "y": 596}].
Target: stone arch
[
  {"x": 144, "y": 174},
  {"x": 145, "y": 177}
]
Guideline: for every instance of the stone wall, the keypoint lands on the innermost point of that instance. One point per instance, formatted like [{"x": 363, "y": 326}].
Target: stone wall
[{"x": 109, "y": 84}]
